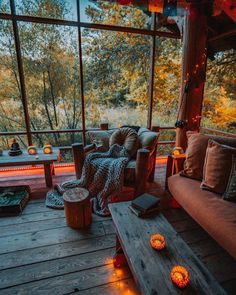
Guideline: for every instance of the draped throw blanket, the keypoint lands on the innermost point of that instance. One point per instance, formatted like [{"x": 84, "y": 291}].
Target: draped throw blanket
[{"x": 102, "y": 176}]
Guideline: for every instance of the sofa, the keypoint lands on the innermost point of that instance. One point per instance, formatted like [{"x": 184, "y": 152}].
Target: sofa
[{"x": 215, "y": 214}]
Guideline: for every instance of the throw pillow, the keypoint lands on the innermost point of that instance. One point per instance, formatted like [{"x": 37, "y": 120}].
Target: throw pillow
[
  {"x": 217, "y": 167},
  {"x": 195, "y": 155},
  {"x": 147, "y": 138},
  {"x": 126, "y": 137},
  {"x": 230, "y": 192},
  {"x": 101, "y": 136}
]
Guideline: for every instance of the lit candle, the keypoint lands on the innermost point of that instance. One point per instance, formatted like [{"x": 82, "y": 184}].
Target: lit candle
[
  {"x": 180, "y": 276},
  {"x": 157, "y": 242}
]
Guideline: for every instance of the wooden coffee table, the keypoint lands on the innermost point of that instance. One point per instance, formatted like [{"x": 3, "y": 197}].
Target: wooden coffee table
[
  {"x": 26, "y": 159},
  {"x": 151, "y": 269}
]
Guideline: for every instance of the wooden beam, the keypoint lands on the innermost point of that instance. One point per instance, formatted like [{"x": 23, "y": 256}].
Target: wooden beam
[
  {"x": 224, "y": 35},
  {"x": 193, "y": 71}
]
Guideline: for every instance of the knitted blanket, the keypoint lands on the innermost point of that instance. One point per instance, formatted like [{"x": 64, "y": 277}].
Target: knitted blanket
[{"x": 102, "y": 175}]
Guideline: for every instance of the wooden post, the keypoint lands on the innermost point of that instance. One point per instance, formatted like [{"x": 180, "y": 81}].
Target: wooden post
[
  {"x": 141, "y": 171},
  {"x": 78, "y": 155},
  {"x": 193, "y": 70},
  {"x": 104, "y": 126}
]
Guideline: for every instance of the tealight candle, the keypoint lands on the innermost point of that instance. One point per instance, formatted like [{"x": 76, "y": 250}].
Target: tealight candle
[
  {"x": 32, "y": 150},
  {"x": 47, "y": 149},
  {"x": 180, "y": 276},
  {"x": 157, "y": 242}
]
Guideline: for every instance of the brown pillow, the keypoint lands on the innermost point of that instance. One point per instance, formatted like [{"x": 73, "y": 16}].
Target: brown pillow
[
  {"x": 217, "y": 167},
  {"x": 126, "y": 137},
  {"x": 230, "y": 192},
  {"x": 195, "y": 155}
]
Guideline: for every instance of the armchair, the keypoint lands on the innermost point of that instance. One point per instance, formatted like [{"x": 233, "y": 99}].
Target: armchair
[{"x": 139, "y": 170}]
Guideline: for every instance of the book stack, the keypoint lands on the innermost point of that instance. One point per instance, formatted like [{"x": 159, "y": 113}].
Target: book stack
[
  {"x": 13, "y": 199},
  {"x": 145, "y": 206}
]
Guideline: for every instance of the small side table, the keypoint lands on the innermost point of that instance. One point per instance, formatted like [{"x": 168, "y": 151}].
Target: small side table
[
  {"x": 77, "y": 208},
  {"x": 174, "y": 166}
]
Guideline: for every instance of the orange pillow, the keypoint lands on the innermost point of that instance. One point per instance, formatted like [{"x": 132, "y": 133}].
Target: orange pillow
[
  {"x": 195, "y": 155},
  {"x": 217, "y": 167}
]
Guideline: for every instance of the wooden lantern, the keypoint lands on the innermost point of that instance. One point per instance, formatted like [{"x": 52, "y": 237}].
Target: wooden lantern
[
  {"x": 157, "y": 242},
  {"x": 180, "y": 276},
  {"x": 47, "y": 149},
  {"x": 32, "y": 150}
]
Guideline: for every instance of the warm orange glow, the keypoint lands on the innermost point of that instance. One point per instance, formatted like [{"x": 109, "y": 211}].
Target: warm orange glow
[
  {"x": 180, "y": 276},
  {"x": 47, "y": 149},
  {"x": 157, "y": 242},
  {"x": 177, "y": 151},
  {"x": 32, "y": 150},
  {"x": 155, "y": 6}
]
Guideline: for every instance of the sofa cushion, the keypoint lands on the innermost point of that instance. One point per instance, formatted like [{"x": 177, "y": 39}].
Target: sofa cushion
[
  {"x": 215, "y": 215},
  {"x": 196, "y": 151},
  {"x": 126, "y": 137},
  {"x": 230, "y": 192},
  {"x": 195, "y": 155},
  {"x": 148, "y": 139},
  {"x": 217, "y": 167},
  {"x": 101, "y": 136}
]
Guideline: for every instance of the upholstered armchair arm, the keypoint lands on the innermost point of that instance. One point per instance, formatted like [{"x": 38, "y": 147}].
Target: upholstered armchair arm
[
  {"x": 141, "y": 171},
  {"x": 79, "y": 153}
]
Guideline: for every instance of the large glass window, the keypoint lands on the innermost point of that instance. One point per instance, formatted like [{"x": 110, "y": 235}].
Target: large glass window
[
  {"x": 167, "y": 81},
  {"x": 11, "y": 108},
  {"x": 116, "y": 68},
  {"x": 5, "y": 6},
  {"x": 107, "y": 13},
  {"x": 58, "y": 9},
  {"x": 219, "y": 104},
  {"x": 51, "y": 69}
]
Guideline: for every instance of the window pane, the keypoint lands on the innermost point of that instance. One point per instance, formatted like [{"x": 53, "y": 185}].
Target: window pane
[
  {"x": 103, "y": 12},
  {"x": 167, "y": 81},
  {"x": 219, "y": 105},
  {"x": 58, "y": 140},
  {"x": 6, "y": 141},
  {"x": 51, "y": 67},
  {"x": 5, "y": 6},
  {"x": 59, "y": 9},
  {"x": 116, "y": 77},
  {"x": 11, "y": 109}
]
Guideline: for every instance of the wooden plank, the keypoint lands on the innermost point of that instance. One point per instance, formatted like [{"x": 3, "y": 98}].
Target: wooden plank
[
  {"x": 42, "y": 270},
  {"x": 216, "y": 262},
  {"x": 48, "y": 215},
  {"x": 48, "y": 237},
  {"x": 206, "y": 247},
  {"x": 194, "y": 235},
  {"x": 30, "y": 227},
  {"x": 229, "y": 286},
  {"x": 184, "y": 225},
  {"x": 25, "y": 218},
  {"x": 40, "y": 254},
  {"x": 72, "y": 282},
  {"x": 145, "y": 263},
  {"x": 121, "y": 287},
  {"x": 173, "y": 215},
  {"x": 108, "y": 227}
]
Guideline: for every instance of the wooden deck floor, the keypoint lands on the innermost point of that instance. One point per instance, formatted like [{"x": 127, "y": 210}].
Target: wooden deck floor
[{"x": 39, "y": 254}]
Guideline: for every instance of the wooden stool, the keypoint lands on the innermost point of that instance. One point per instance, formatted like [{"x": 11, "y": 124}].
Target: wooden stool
[{"x": 77, "y": 208}]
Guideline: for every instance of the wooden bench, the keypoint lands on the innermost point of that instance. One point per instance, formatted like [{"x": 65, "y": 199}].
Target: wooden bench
[{"x": 151, "y": 269}]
